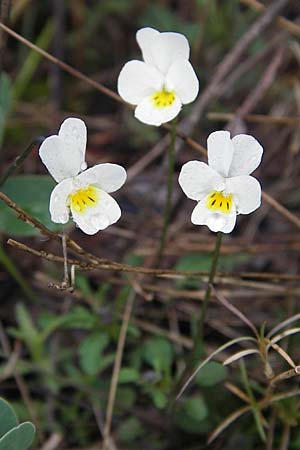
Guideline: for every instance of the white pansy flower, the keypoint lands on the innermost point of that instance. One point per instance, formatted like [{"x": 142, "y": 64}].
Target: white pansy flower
[
  {"x": 224, "y": 187},
  {"x": 163, "y": 82},
  {"x": 85, "y": 194}
]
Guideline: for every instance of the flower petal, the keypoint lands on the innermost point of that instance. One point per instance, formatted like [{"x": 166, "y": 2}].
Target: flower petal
[
  {"x": 220, "y": 150},
  {"x": 230, "y": 224},
  {"x": 147, "y": 113},
  {"x": 99, "y": 217},
  {"x": 214, "y": 220},
  {"x": 182, "y": 79},
  {"x": 246, "y": 192},
  {"x": 74, "y": 134},
  {"x": 108, "y": 177},
  {"x": 138, "y": 80},
  {"x": 64, "y": 155},
  {"x": 247, "y": 155},
  {"x": 58, "y": 206},
  {"x": 145, "y": 38},
  {"x": 197, "y": 179},
  {"x": 167, "y": 48},
  {"x": 200, "y": 213}
]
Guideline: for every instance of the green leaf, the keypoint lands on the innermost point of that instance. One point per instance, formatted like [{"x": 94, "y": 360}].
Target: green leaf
[
  {"x": 159, "y": 398},
  {"x": 128, "y": 375},
  {"x": 130, "y": 429},
  {"x": 28, "y": 332},
  {"x": 90, "y": 352},
  {"x": 19, "y": 438},
  {"x": 211, "y": 374},
  {"x": 158, "y": 352},
  {"x": 31, "y": 193},
  {"x": 80, "y": 318},
  {"x": 5, "y": 93},
  {"x": 126, "y": 398},
  {"x": 195, "y": 408},
  {"x": 8, "y": 418},
  {"x": 192, "y": 262},
  {"x": 5, "y": 101}
]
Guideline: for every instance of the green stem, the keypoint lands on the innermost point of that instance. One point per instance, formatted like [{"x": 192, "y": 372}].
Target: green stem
[
  {"x": 211, "y": 278},
  {"x": 198, "y": 341},
  {"x": 20, "y": 159},
  {"x": 168, "y": 207},
  {"x": 255, "y": 407}
]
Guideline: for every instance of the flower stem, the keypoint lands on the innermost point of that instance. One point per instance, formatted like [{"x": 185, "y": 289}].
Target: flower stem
[
  {"x": 168, "y": 207},
  {"x": 197, "y": 350},
  {"x": 199, "y": 338},
  {"x": 211, "y": 278}
]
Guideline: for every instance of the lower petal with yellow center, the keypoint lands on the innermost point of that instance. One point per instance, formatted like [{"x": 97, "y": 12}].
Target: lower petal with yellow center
[
  {"x": 219, "y": 202},
  {"x": 163, "y": 98},
  {"x": 84, "y": 198}
]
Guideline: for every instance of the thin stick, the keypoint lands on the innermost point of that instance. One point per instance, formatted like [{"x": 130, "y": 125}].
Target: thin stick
[
  {"x": 168, "y": 207},
  {"x": 282, "y": 22},
  {"x": 285, "y": 376},
  {"x": 65, "y": 255},
  {"x": 20, "y": 159},
  {"x": 164, "y": 273},
  {"x": 66, "y": 67},
  {"x": 235, "y": 311},
  {"x": 116, "y": 369},
  {"x": 257, "y": 118}
]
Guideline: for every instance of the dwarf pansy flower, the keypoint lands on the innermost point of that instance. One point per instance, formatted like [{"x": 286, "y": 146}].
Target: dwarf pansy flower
[
  {"x": 84, "y": 193},
  {"x": 224, "y": 187},
  {"x": 163, "y": 82}
]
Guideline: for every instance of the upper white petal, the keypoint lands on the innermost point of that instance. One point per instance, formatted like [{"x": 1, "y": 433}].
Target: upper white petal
[
  {"x": 64, "y": 154},
  {"x": 145, "y": 38},
  {"x": 58, "y": 206},
  {"x": 182, "y": 79},
  {"x": 147, "y": 113},
  {"x": 197, "y": 179},
  {"x": 247, "y": 155},
  {"x": 108, "y": 177},
  {"x": 220, "y": 151},
  {"x": 138, "y": 80},
  {"x": 246, "y": 191},
  {"x": 99, "y": 217},
  {"x": 167, "y": 48}
]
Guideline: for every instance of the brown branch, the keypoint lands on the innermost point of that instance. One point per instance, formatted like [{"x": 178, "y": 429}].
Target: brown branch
[
  {"x": 164, "y": 273},
  {"x": 256, "y": 118},
  {"x": 282, "y": 22},
  {"x": 229, "y": 62},
  {"x": 27, "y": 218},
  {"x": 295, "y": 372},
  {"x": 259, "y": 90}
]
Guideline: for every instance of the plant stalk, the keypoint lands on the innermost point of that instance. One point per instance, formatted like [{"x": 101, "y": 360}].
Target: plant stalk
[{"x": 168, "y": 207}]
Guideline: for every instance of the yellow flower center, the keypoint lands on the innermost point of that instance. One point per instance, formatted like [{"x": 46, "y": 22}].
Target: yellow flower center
[
  {"x": 84, "y": 198},
  {"x": 163, "y": 98},
  {"x": 217, "y": 201}
]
